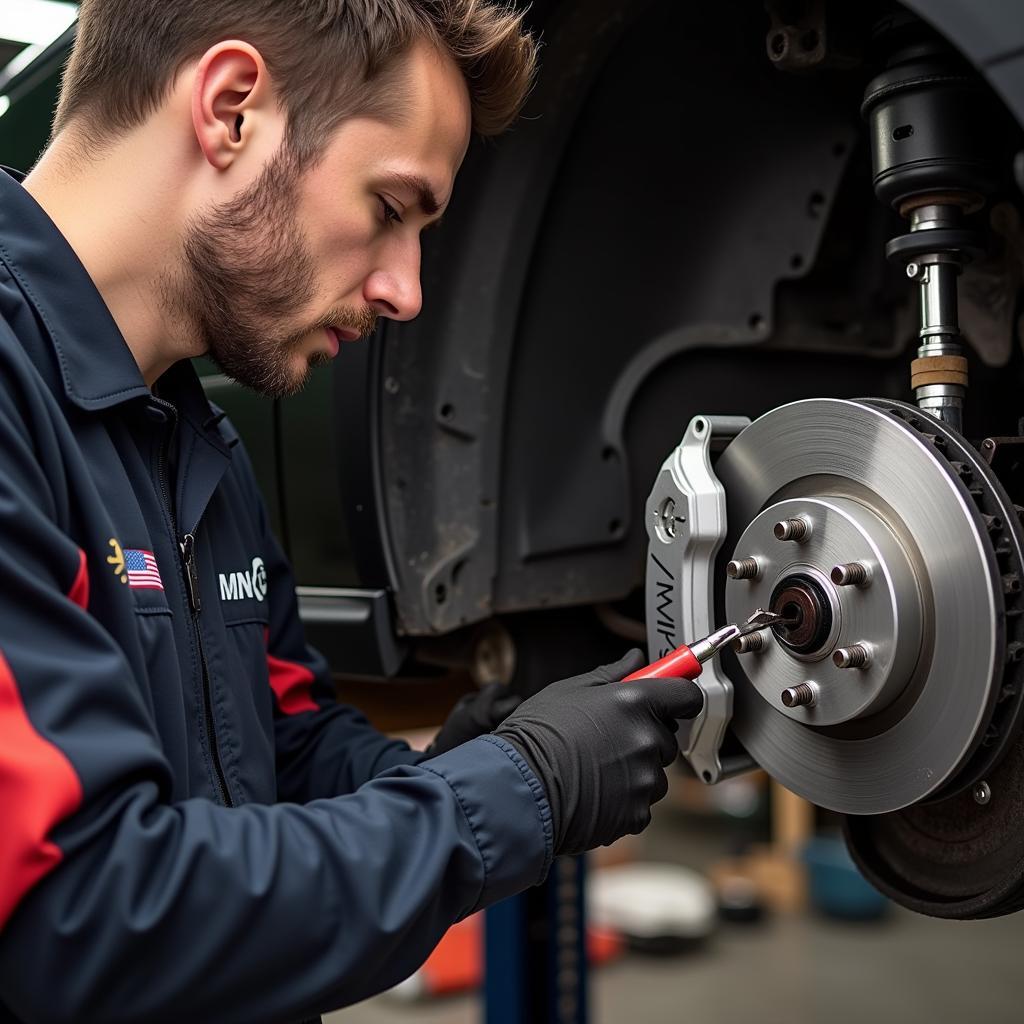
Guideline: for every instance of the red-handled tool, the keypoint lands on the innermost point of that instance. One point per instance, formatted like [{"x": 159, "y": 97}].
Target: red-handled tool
[{"x": 687, "y": 661}]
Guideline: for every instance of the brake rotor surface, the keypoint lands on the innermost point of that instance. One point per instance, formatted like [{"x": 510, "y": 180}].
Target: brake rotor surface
[
  {"x": 934, "y": 716},
  {"x": 961, "y": 854}
]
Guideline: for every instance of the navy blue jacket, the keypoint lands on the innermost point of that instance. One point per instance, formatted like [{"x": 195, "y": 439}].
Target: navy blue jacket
[{"x": 192, "y": 827}]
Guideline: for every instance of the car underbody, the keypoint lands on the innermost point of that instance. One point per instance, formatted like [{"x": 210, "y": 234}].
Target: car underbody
[{"x": 809, "y": 219}]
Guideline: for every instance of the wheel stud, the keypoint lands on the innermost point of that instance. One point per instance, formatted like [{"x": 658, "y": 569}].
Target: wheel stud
[
  {"x": 749, "y": 644},
  {"x": 743, "y": 569},
  {"x": 798, "y": 529},
  {"x": 804, "y": 695},
  {"x": 851, "y": 574},
  {"x": 855, "y": 656}
]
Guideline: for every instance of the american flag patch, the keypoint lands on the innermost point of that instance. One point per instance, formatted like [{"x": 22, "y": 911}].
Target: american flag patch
[{"x": 142, "y": 570}]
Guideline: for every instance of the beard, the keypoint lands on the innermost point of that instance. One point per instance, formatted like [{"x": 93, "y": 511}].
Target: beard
[{"x": 247, "y": 273}]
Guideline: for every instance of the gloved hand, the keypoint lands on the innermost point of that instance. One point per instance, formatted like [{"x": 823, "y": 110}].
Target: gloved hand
[
  {"x": 475, "y": 714},
  {"x": 600, "y": 747}
]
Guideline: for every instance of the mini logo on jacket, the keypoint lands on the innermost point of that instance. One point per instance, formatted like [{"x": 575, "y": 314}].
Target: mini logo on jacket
[{"x": 237, "y": 586}]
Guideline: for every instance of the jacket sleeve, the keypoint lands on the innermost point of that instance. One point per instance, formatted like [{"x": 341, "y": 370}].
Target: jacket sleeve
[
  {"x": 322, "y": 748},
  {"x": 118, "y": 905}
]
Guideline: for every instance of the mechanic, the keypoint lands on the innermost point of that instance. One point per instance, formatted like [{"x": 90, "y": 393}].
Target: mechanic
[{"x": 194, "y": 829}]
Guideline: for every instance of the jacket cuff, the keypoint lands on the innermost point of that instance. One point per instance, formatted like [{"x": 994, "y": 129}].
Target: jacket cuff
[{"x": 507, "y": 810}]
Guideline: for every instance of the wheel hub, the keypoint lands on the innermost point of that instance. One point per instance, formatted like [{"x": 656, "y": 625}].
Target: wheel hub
[
  {"x": 880, "y": 615},
  {"x": 804, "y": 603}
]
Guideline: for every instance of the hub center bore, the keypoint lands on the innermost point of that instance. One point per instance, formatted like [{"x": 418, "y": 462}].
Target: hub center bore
[{"x": 801, "y": 599}]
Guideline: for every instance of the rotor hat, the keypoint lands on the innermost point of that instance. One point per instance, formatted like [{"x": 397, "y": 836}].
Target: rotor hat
[{"x": 850, "y": 587}]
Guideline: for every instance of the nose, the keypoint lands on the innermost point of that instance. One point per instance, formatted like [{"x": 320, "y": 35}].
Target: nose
[{"x": 393, "y": 290}]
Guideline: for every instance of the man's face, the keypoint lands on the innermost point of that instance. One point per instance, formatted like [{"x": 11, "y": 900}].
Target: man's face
[{"x": 302, "y": 261}]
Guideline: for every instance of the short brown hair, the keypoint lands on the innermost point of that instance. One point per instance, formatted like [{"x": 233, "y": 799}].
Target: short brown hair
[{"x": 329, "y": 58}]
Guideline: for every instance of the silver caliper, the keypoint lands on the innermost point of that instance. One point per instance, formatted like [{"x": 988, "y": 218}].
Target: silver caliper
[{"x": 686, "y": 524}]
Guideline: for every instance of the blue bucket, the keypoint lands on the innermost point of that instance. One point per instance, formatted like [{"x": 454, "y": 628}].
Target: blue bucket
[{"x": 837, "y": 888}]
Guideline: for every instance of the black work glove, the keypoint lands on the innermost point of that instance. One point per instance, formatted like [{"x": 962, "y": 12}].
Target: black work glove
[
  {"x": 600, "y": 747},
  {"x": 475, "y": 714}
]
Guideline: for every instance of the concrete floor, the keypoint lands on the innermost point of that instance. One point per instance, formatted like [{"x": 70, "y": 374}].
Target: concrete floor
[{"x": 796, "y": 970}]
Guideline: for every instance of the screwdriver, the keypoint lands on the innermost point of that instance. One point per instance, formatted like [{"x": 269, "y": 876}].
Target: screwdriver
[{"x": 687, "y": 661}]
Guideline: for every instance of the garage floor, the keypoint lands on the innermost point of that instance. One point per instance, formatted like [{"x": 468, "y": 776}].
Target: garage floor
[
  {"x": 804, "y": 971},
  {"x": 786, "y": 970}
]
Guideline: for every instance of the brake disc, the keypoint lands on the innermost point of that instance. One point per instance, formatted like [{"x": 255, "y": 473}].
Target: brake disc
[
  {"x": 896, "y": 699},
  {"x": 894, "y": 695},
  {"x": 878, "y": 493}
]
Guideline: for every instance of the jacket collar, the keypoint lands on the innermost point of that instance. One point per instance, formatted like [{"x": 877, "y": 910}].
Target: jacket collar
[{"x": 97, "y": 367}]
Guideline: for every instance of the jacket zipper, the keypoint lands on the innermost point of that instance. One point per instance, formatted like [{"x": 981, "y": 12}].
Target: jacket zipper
[
  {"x": 190, "y": 574},
  {"x": 188, "y": 555}
]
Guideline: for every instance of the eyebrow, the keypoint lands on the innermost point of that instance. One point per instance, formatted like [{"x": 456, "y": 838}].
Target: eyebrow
[{"x": 420, "y": 187}]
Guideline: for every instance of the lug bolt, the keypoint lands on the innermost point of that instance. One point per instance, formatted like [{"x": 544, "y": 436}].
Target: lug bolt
[
  {"x": 913, "y": 269},
  {"x": 749, "y": 644},
  {"x": 797, "y": 529},
  {"x": 803, "y": 696},
  {"x": 851, "y": 574},
  {"x": 855, "y": 656},
  {"x": 982, "y": 793},
  {"x": 743, "y": 569}
]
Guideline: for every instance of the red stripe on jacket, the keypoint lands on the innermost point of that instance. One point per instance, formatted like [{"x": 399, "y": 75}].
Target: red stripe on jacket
[
  {"x": 292, "y": 684},
  {"x": 38, "y": 788},
  {"x": 79, "y": 592}
]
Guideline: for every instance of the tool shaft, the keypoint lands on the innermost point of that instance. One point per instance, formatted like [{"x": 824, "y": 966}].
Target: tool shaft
[{"x": 686, "y": 661}]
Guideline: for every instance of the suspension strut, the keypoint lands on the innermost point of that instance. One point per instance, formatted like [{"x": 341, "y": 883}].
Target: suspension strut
[{"x": 931, "y": 142}]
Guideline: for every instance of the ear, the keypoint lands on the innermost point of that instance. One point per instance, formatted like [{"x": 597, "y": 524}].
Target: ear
[{"x": 232, "y": 99}]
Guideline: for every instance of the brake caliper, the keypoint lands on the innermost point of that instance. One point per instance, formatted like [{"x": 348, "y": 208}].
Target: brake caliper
[{"x": 686, "y": 525}]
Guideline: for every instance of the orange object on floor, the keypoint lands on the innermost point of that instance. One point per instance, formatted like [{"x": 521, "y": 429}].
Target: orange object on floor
[{"x": 457, "y": 962}]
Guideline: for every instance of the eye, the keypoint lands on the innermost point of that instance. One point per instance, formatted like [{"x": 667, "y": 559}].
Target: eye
[{"x": 390, "y": 214}]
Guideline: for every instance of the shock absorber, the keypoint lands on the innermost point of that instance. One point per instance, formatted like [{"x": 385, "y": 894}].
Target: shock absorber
[{"x": 931, "y": 139}]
